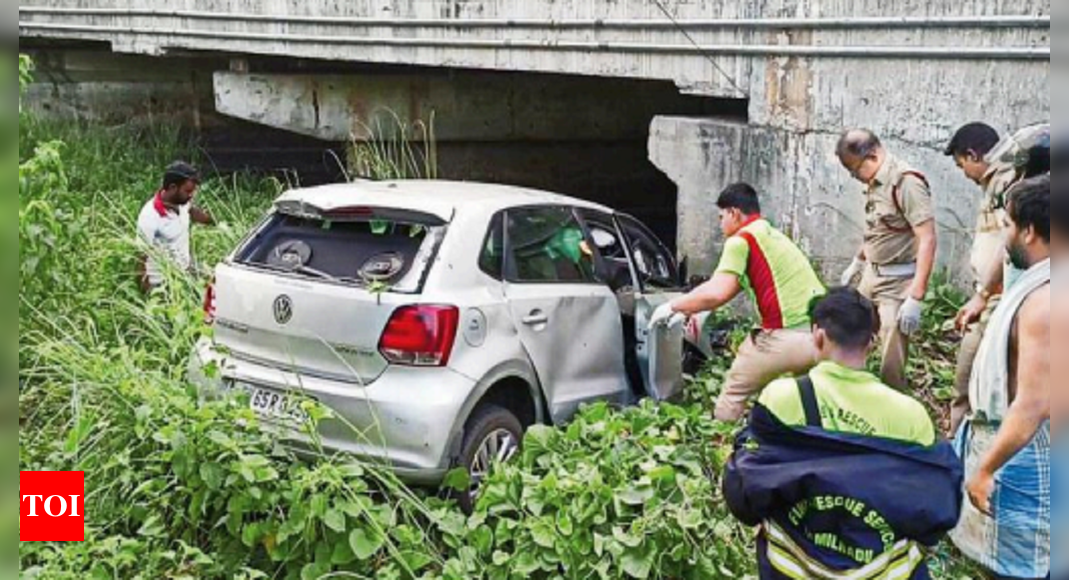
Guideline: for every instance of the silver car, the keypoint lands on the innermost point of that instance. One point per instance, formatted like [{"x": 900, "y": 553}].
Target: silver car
[{"x": 437, "y": 320}]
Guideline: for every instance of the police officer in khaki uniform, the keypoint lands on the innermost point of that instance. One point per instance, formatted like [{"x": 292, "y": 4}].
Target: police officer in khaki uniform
[
  {"x": 898, "y": 256},
  {"x": 996, "y": 165},
  {"x": 970, "y": 148}
]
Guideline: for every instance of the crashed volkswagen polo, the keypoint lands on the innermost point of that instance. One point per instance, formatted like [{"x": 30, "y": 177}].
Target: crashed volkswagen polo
[{"x": 438, "y": 321}]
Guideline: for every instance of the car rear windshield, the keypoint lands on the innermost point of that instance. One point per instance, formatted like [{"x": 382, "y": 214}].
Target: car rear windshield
[{"x": 385, "y": 254}]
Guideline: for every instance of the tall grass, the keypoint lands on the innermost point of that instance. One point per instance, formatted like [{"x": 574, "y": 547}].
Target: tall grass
[{"x": 389, "y": 148}]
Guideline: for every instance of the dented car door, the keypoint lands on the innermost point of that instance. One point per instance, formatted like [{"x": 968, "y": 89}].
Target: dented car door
[{"x": 567, "y": 320}]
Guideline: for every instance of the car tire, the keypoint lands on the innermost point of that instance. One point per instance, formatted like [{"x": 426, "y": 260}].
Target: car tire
[{"x": 491, "y": 429}]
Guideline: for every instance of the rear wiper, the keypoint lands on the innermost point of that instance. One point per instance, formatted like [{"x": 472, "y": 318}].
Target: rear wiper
[{"x": 308, "y": 271}]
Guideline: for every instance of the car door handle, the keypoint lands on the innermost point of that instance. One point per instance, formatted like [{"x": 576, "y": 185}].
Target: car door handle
[{"x": 535, "y": 318}]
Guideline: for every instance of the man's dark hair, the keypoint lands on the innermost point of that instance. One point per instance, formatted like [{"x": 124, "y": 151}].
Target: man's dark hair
[
  {"x": 850, "y": 319},
  {"x": 178, "y": 173},
  {"x": 975, "y": 138},
  {"x": 858, "y": 143},
  {"x": 1038, "y": 158},
  {"x": 740, "y": 196},
  {"x": 1029, "y": 205}
]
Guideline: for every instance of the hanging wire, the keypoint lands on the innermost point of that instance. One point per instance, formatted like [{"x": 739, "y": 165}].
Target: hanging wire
[{"x": 712, "y": 60}]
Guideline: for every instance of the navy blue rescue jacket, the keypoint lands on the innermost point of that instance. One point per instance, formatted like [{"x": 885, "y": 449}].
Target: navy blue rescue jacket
[{"x": 835, "y": 505}]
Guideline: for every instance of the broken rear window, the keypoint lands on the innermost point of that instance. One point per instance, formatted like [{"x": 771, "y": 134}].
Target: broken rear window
[{"x": 389, "y": 254}]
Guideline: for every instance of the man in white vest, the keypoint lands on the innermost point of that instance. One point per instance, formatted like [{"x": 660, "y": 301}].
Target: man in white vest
[{"x": 1006, "y": 523}]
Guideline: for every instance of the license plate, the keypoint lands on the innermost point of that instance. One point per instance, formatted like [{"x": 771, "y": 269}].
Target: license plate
[{"x": 271, "y": 404}]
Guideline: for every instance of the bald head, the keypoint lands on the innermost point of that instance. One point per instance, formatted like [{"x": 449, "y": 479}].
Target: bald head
[
  {"x": 861, "y": 153},
  {"x": 858, "y": 144}
]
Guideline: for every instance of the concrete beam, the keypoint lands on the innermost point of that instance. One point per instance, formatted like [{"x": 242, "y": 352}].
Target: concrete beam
[{"x": 465, "y": 106}]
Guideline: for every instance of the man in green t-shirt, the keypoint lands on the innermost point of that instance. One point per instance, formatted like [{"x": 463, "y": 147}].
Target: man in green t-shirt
[
  {"x": 851, "y": 399},
  {"x": 763, "y": 261},
  {"x": 845, "y": 475}
]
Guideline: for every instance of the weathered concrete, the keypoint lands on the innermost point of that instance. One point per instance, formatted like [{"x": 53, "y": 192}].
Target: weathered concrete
[
  {"x": 787, "y": 149},
  {"x": 804, "y": 189},
  {"x": 465, "y": 106},
  {"x": 119, "y": 88},
  {"x": 607, "y": 38}
]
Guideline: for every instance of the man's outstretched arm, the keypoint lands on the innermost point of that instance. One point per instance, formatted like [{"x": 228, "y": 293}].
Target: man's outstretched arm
[{"x": 718, "y": 291}]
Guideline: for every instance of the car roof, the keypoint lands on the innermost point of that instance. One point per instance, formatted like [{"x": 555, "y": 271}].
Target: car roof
[{"x": 440, "y": 198}]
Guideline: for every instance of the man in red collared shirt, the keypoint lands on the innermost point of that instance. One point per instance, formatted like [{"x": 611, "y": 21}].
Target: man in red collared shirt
[{"x": 164, "y": 224}]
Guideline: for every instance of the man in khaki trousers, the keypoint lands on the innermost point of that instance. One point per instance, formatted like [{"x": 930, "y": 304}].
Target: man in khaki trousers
[
  {"x": 970, "y": 148},
  {"x": 898, "y": 255},
  {"x": 995, "y": 169}
]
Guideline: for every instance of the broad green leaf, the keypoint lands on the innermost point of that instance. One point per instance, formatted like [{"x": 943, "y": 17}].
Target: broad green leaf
[
  {"x": 343, "y": 554},
  {"x": 335, "y": 520},
  {"x": 458, "y": 480},
  {"x": 565, "y": 525},
  {"x": 213, "y": 475},
  {"x": 416, "y": 561},
  {"x": 482, "y": 539},
  {"x": 639, "y": 562},
  {"x": 634, "y": 496},
  {"x": 364, "y": 544},
  {"x": 626, "y": 538},
  {"x": 543, "y": 533}
]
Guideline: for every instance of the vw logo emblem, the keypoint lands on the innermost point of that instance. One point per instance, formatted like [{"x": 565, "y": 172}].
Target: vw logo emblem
[{"x": 283, "y": 309}]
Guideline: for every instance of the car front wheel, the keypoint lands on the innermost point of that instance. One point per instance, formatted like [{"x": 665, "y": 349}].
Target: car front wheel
[{"x": 493, "y": 435}]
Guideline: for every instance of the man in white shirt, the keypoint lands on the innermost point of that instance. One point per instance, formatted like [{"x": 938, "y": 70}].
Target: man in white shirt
[{"x": 164, "y": 224}]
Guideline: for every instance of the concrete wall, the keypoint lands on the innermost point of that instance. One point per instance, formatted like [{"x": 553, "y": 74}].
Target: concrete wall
[{"x": 800, "y": 107}]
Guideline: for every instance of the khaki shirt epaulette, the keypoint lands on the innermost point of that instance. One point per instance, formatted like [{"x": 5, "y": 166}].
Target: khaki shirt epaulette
[{"x": 889, "y": 237}]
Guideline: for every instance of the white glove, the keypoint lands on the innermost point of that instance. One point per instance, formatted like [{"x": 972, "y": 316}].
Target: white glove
[
  {"x": 665, "y": 315},
  {"x": 910, "y": 316},
  {"x": 855, "y": 268}
]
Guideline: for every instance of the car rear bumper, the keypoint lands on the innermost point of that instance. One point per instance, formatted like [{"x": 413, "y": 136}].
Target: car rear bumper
[{"x": 404, "y": 420}]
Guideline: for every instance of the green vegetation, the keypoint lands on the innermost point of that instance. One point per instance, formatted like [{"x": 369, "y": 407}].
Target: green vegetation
[
  {"x": 390, "y": 148},
  {"x": 178, "y": 487}
]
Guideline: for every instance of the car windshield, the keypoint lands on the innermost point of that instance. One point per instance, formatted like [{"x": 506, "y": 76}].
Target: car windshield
[{"x": 392, "y": 255}]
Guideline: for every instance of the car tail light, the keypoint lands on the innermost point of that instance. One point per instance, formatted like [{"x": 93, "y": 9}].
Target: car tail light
[
  {"x": 209, "y": 303},
  {"x": 420, "y": 336}
]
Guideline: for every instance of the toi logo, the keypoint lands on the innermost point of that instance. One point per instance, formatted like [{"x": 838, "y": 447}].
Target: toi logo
[{"x": 51, "y": 506}]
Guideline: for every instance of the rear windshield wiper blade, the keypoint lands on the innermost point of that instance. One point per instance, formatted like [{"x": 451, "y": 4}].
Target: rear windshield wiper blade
[{"x": 308, "y": 271}]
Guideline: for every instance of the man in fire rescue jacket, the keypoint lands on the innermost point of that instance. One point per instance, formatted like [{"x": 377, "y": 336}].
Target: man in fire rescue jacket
[{"x": 844, "y": 474}]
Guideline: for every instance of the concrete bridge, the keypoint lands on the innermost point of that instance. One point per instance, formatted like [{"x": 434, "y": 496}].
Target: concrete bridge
[{"x": 596, "y": 98}]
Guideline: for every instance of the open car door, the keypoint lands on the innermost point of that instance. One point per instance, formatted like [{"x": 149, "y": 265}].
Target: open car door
[{"x": 660, "y": 350}]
